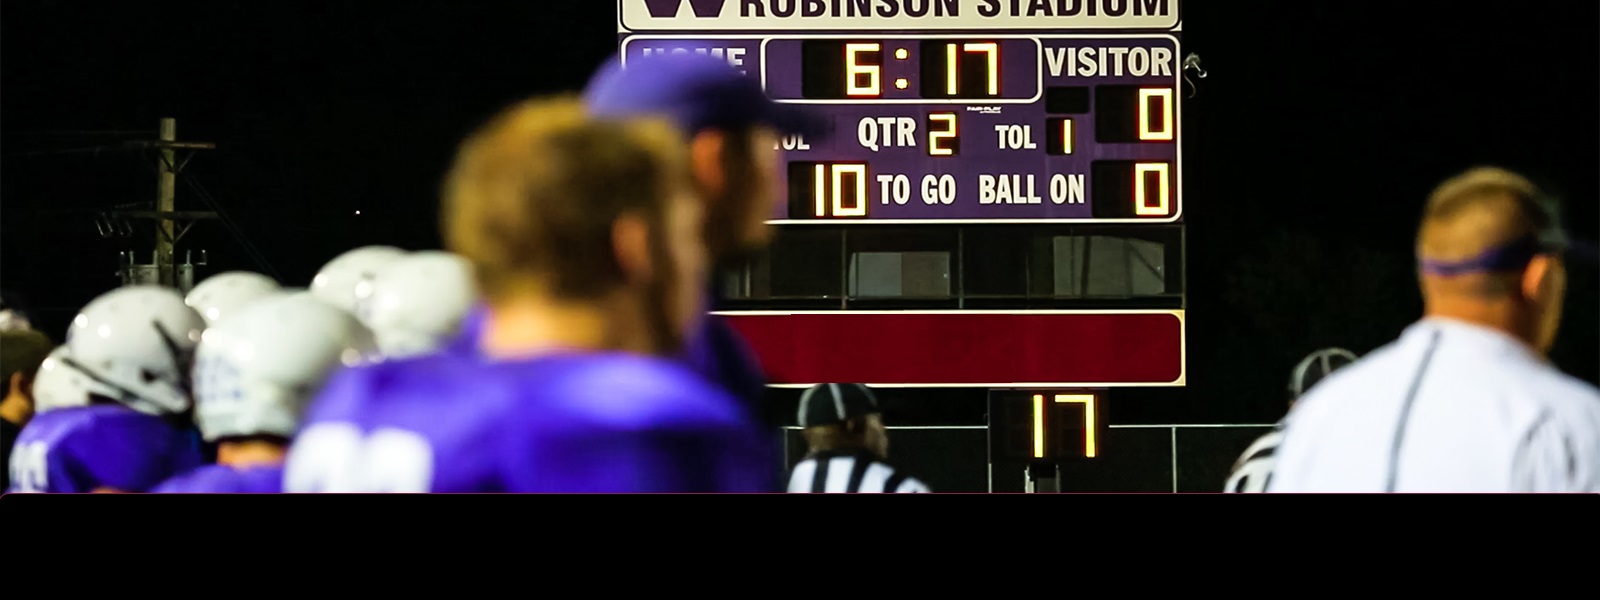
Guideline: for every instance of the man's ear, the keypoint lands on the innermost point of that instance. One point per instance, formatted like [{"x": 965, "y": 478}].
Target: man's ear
[
  {"x": 705, "y": 153},
  {"x": 630, "y": 243},
  {"x": 19, "y": 385},
  {"x": 1534, "y": 276}
]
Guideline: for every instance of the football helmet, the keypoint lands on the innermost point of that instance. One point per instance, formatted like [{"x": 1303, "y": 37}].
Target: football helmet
[
  {"x": 255, "y": 372},
  {"x": 336, "y": 282},
  {"x": 139, "y": 342},
  {"x": 415, "y": 303},
  {"x": 1317, "y": 366},
  {"x": 225, "y": 293},
  {"x": 11, "y": 320},
  {"x": 59, "y": 385}
]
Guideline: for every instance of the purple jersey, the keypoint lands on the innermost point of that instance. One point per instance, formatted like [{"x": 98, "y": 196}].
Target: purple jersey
[
  {"x": 223, "y": 479},
  {"x": 586, "y": 422},
  {"x": 84, "y": 448},
  {"x": 465, "y": 342},
  {"x": 714, "y": 350}
]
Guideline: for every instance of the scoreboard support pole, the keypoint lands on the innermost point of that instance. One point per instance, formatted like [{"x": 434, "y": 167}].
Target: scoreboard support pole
[{"x": 1043, "y": 478}]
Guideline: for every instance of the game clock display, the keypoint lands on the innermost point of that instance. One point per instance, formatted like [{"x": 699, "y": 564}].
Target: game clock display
[
  {"x": 949, "y": 69},
  {"x": 1045, "y": 425},
  {"x": 956, "y": 129}
]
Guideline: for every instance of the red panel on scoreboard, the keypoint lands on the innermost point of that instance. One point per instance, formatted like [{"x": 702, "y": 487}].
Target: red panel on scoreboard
[{"x": 968, "y": 348}]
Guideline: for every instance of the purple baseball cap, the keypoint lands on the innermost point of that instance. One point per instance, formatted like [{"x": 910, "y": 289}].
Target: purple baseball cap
[{"x": 698, "y": 91}]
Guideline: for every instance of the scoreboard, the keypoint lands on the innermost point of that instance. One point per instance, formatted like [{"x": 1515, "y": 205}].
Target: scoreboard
[
  {"x": 1053, "y": 125},
  {"x": 952, "y": 117},
  {"x": 1061, "y": 118},
  {"x": 1059, "y": 121}
]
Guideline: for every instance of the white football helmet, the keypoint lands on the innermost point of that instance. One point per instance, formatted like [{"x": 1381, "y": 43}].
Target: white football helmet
[
  {"x": 336, "y": 282},
  {"x": 225, "y": 293},
  {"x": 415, "y": 303},
  {"x": 59, "y": 385},
  {"x": 255, "y": 372},
  {"x": 10, "y": 320},
  {"x": 138, "y": 341}
]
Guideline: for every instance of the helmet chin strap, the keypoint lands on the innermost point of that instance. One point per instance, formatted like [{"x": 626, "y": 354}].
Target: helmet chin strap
[{"x": 123, "y": 396}]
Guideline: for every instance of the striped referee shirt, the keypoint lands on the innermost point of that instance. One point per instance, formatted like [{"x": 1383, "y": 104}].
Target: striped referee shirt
[
  {"x": 850, "y": 472},
  {"x": 1254, "y": 468}
]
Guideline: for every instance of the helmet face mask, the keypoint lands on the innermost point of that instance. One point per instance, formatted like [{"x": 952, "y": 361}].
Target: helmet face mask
[{"x": 1315, "y": 367}]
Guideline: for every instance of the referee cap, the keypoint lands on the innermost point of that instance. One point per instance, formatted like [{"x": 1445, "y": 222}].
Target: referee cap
[
  {"x": 698, "y": 91},
  {"x": 1315, "y": 367},
  {"x": 829, "y": 403}
]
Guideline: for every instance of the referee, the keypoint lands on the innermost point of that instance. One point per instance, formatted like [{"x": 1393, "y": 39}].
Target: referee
[
  {"x": 1254, "y": 468},
  {"x": 843, "y": 427}
]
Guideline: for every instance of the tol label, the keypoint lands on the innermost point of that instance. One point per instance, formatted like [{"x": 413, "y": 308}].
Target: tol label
[
  {"x": 792, "y": 142},
  {"x": 1015, "y": 137}
]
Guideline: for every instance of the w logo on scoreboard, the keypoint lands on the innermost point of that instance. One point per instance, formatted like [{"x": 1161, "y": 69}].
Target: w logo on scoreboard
[{"x": 667, "y": 9}]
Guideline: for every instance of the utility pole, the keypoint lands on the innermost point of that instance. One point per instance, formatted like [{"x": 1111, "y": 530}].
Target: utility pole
[
  {"x": 170, "y": 224},
  {"x": 166, "y": 195}
]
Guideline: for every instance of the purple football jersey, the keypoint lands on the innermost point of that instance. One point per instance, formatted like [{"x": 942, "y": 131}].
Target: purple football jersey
[
  {"x": 224, "y": 479},
  {"x": 465, "y": 342},
  {"x": 712, "y": 349},
  {"x": 84, "y": 448},
  {"x": 584, "y": 422}
]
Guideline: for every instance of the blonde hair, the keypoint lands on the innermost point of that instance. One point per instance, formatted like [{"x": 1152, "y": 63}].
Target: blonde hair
[
  {"x": 1512, "y": 198},
  {"x": 533, "y": 195}
]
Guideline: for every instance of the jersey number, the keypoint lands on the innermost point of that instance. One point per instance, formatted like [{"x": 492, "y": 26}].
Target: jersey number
[
  {"x": 338, "y": 458},
  {"x": 29, "y": 468}
]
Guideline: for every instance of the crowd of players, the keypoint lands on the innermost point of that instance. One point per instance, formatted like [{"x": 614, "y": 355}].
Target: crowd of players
[{"x": 562, "y": 342}]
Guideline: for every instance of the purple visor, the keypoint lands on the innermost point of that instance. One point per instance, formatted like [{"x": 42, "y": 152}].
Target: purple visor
[{"x": 1510, "y": 257}]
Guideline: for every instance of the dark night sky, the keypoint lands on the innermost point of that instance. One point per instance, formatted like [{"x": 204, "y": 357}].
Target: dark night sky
[{"x": 1309, "y": 148}]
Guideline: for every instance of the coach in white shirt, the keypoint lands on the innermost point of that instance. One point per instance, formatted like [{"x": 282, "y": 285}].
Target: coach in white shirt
[{"x": 1465, "y": 400}]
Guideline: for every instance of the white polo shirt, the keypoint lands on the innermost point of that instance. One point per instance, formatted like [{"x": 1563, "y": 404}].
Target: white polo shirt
[{"x": 1487, "y": 415}]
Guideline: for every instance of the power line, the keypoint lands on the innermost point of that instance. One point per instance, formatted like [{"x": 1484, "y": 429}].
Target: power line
[
  {"x": 83, "y": 132},
  {"x": 233, "y": 227}
]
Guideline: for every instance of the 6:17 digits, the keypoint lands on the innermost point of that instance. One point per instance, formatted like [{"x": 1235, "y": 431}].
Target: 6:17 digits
[{"x": 863, "y": 70}]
